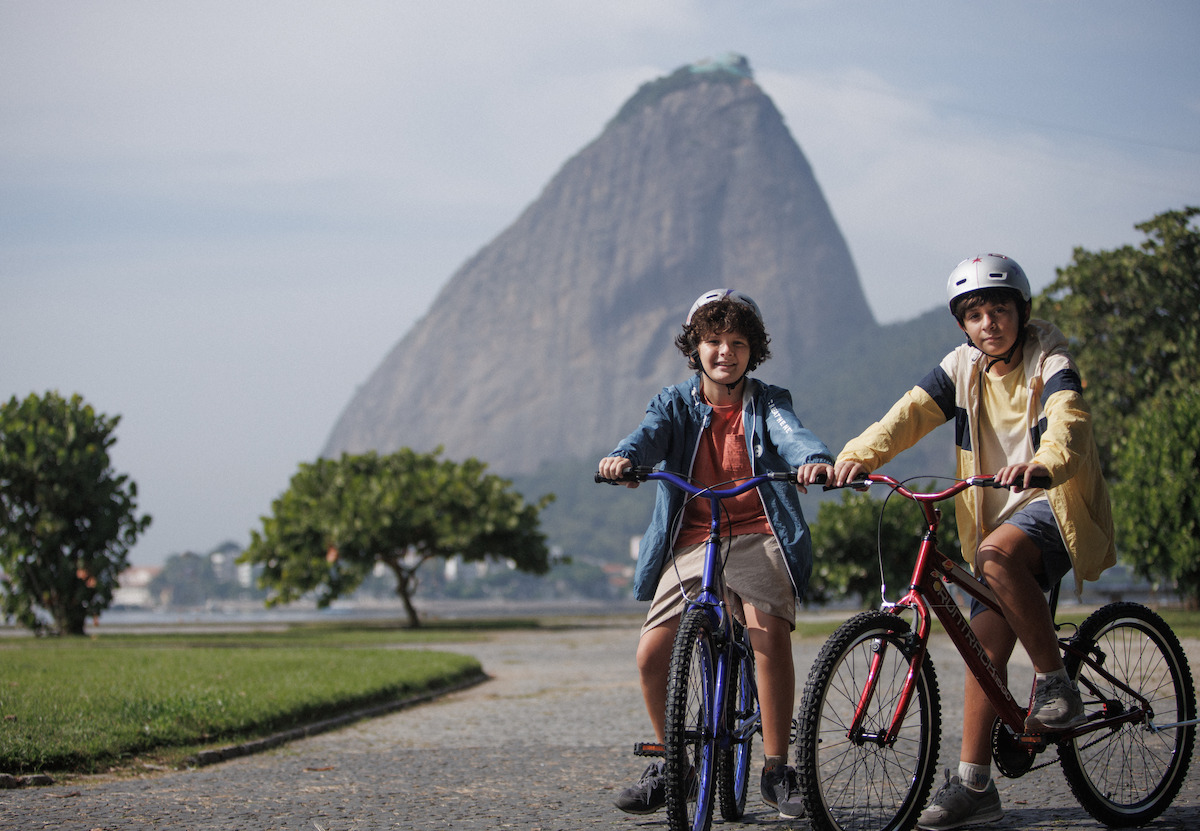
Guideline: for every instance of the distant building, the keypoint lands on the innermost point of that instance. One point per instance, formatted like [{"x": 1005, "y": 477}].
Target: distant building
[{"x": 133, "y": 588}]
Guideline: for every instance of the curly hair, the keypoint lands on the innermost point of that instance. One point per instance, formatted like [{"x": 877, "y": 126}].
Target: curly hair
[{"x": 717, "y": 318}]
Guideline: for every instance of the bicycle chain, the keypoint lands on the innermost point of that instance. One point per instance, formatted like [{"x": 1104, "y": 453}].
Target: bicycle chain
[{"x": 1057, "y": 760}]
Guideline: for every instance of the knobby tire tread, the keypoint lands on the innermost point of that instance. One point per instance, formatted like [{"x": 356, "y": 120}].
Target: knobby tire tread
[
  {"x": 1129, "y": 776},
  {"x": 855, "y": 786},
  {"x": 684, "y": 748},
  {"x": 734, "y": 761}
]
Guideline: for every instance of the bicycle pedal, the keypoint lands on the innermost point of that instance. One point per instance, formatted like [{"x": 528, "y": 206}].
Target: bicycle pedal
[
  {"x": 649, "y": 749},
  {"x": 1032, "y": 741}
]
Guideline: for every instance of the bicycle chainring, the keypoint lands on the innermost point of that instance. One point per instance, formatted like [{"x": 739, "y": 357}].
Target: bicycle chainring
[{"x": 1012, "y": 758}]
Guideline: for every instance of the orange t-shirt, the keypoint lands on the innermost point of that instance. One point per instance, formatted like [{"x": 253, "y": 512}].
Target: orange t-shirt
[{"x": 722, "y": 457}]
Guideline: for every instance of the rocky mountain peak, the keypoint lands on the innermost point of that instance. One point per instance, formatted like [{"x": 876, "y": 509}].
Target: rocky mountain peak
[{"x": 548, "y": 342}]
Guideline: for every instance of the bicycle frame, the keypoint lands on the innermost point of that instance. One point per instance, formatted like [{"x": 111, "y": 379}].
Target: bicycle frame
[
  {"x": 928, "y": 593},
  {"x": 928, "y": 596},
  {"x": 720, "y": 730},
  {"x": 869, "y": 726},
  {"x": 710, "y": 598}
]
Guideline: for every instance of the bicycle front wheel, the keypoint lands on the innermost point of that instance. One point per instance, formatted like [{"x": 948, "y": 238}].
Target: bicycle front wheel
[
  {"x": 741, "y": 722},
  {"x": 690, "y": 736},
  {"x": 1128, "y": 774},
  {"x": 851, "y": 775}
]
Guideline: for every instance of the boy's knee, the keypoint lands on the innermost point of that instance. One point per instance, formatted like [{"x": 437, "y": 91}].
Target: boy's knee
[
  {"x": 774, "y": 638},
  {"x": 654, "y": 649},
  {"x": 999, "y": 566}
]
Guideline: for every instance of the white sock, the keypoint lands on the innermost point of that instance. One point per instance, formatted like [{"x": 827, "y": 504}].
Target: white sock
[
  {"x": 975, "y": 777},
  {"x": 1061, "y": 673}
]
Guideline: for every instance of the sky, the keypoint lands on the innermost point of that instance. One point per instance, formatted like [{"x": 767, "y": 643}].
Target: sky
[{"x": 216, "y": 218}]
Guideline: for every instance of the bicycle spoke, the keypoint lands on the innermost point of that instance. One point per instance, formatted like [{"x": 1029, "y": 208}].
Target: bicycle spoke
[
  {"x": 853, "y": 778},
  {"x": 1128, "y": 773}
]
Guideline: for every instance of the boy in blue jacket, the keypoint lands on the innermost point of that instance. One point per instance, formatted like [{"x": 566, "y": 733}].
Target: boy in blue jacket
[{"x": 718, "y": 426}]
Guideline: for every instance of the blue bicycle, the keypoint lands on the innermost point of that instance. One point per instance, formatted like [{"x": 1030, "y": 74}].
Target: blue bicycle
[{"x": 712, "y": 695}]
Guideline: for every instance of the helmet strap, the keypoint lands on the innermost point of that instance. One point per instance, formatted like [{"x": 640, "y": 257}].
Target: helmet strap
[
  {"x": 728, "y": 387},
  {"x": 1007, "y": 356},
  {"x": 1017, "y": 344},
  {"x": 695, "y": 356}
]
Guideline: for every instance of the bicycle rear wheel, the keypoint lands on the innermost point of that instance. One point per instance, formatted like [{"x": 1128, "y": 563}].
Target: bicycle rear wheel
[
  {"x": 741, "y": 719},
  {"x": 1127, "y": 775},
  {"x": 690, "y": 740},
  {"x": 850, "y": 777}
]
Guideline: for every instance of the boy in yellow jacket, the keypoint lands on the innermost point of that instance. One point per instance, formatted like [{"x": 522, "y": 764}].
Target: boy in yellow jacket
[{"x": 1015, "y": 396}]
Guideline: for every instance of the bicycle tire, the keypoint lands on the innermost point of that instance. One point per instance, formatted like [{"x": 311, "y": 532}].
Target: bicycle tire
[
  {"x": 734, "y": 760},
  {"x": 690, "y": 743},
  {"x": 852, "y": 783},
  {"x": 1128, "y": 775}
]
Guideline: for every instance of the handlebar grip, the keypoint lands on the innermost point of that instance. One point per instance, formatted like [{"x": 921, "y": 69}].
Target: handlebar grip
[
  {"x": 1042, "y": 482},
  {"x": 629, "y": 474},
  {"x": 859, "y": 482}
]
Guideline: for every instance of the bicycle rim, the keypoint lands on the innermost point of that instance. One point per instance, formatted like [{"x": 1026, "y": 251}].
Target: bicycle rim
[
  {"x": 853, "y": 782},
  {"x": 1129, "y": 774},
  {"x": 735, "y": 759},
  {"x": 691, "y": 744}
]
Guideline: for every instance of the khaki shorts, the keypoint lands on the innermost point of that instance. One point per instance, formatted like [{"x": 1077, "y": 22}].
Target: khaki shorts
[{"x": 755, "y": 574}]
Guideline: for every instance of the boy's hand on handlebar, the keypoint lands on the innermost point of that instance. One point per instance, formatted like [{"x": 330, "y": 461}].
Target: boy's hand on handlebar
[
  {"x": 846, "y": 471},
  {"x": 613, "y": 467},
  {"x": 812, "y": 474},
  {"x": 1019, "y": 477}
]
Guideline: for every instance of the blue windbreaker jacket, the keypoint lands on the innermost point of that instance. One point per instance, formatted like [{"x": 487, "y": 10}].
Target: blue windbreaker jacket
[{"x": 776, "y": 441}]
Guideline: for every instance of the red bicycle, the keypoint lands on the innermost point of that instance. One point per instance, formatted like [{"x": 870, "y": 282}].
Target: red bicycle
[{"x": 869, "y": 726}]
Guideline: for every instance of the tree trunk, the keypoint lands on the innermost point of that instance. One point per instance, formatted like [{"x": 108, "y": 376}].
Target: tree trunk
[
  {"x": 70, "y": 621},
  {"x": 405, "y": 581}
]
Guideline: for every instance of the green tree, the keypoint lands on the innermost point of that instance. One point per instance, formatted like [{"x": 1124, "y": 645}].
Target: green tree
[
  {"x": 1156, "y": 507},
  {"x": 1133, "y": 318},
  {"x": 853, "y": 540},
  {"x": 340, "y": 517},
  {"x": 67, "y": 520}
]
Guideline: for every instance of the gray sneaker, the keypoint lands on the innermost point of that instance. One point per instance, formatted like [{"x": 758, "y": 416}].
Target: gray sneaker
[
  {"x": 650, "y": 792},
  {"x": 957, "y": 806},
  {"x": 781, "y": 791},
  {"x": 1056, "y": 706}
]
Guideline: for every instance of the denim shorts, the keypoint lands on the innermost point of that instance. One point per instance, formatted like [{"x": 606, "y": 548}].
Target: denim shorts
[{"x": 1037, "y": 521}]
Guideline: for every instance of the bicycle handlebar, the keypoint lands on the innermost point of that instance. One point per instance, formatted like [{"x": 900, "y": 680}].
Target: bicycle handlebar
[
  {"x": 864, "y": 482},
  {"x": 643, "y": 473}
]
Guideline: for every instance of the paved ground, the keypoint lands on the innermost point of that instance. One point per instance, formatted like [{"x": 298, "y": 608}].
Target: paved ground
[{"x": 542, "y": 746}]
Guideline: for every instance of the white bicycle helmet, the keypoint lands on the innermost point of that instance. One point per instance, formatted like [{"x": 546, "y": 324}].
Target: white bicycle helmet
[
  {"x": 717, "y": 294},
  {"x": 987, "y": 271}
]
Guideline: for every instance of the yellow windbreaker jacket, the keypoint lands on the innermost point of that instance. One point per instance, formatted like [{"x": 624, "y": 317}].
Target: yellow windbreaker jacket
[{"x": 1059, "y": 424}]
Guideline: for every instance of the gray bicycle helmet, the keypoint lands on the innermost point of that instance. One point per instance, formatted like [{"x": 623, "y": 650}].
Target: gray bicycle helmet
[
  {"x": 987, "y": 271},
  {"x": 717, "y": 294}
]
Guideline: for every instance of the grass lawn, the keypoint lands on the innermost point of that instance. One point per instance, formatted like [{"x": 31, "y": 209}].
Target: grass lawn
[
  {"x": 86, "y": 705},
  {"x": 116, "y": 702}
]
